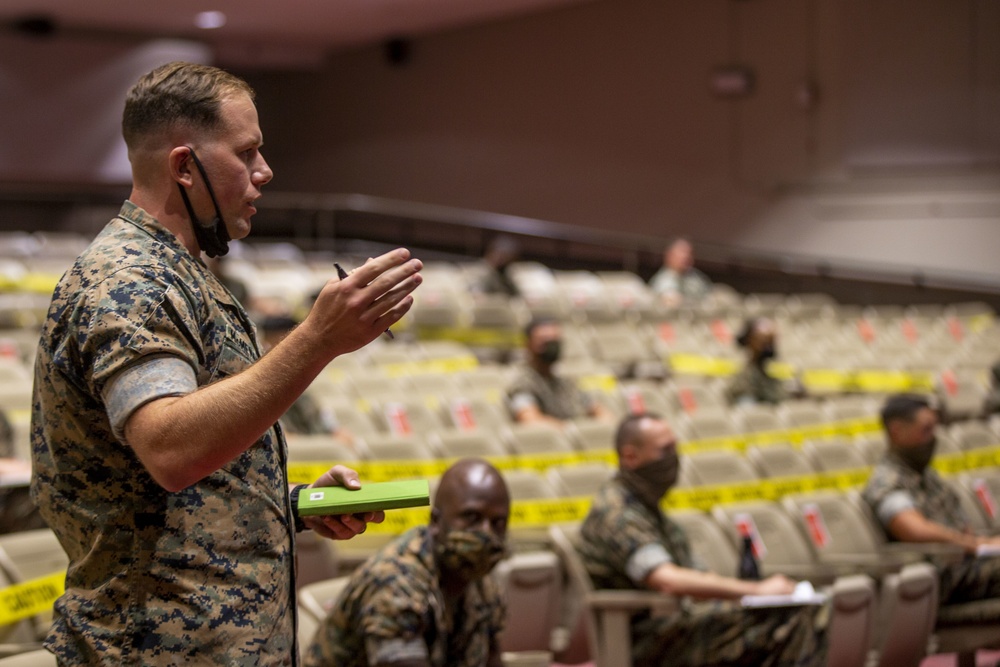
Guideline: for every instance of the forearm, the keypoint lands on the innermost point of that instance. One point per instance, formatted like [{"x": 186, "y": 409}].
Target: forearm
[
  {"x": 182, "y": 439},
  {"x": 911, "y": 526},
  {"x": 673, "y": 580}
]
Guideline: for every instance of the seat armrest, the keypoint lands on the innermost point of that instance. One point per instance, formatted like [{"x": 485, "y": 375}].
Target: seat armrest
[
  {"x": 949, "y": 553},
  {"x": 609, "y": 600}
]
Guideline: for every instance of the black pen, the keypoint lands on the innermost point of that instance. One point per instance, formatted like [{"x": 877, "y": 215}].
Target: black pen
[{"x": 343, "y": 274}]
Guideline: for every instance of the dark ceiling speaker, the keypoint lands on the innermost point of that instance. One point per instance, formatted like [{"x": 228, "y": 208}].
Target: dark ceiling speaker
[
  {"x": 36, "y": 26},
  {"x": 397, "y": 51}
]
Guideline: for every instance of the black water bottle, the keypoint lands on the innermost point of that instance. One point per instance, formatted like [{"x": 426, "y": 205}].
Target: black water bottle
[{"x": 748, "y": 563}]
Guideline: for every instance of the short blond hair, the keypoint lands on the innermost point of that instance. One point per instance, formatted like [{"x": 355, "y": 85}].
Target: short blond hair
[{"x": 178, "y": 93}]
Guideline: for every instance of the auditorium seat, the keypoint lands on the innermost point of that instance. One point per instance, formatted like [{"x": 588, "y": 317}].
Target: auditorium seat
[
  {"x": 33, "y": 658},
  {"x": 528, "y": 485},
  {"x": 579, "y": 480},
  {"x": 707, "y": 423},
  {"x": 303, "y": 448},
  {"x": 387, "y": 447},
  {"x": 779, "y": 460},
  {"x": 591, "y": 434},
  {"x": 461, "y": 444},
  {"x": 406, "y": 416},
  {"x": 347, "y": 412},
  {"x": 527, "y": 439},
  {"x": 833, "y": 455},
  {"x": 973, "y": 434},
  {"x": 315, "y": 602},
  {"x": 532, "y": 586},
  {"x": 645, "y": 396},
  {"x": 796, "y": 414},
  {"x": 757, "y": 418},
  {"x": 710, "y": 546},
  {"x": 469, "y": 413},
  {"x": 722, "y": 466},
  {"x": 784, "y": 548}
]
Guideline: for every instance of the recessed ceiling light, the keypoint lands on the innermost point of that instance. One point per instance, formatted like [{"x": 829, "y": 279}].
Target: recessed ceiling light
[{"x": 210, "y": 20}]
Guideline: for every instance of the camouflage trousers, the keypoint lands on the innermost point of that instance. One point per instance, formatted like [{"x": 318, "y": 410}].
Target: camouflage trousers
[
  {"x": 970, "y": 580},
  {"x": 723, "y": 633}
]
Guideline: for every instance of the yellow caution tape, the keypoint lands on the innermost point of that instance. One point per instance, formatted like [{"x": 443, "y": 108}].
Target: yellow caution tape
[
  {"x": 816, "y": 380},
  {"x": 981, "y": 322},
  {"x": 481, "y": 337},
  {"x": 598, "y": 382},
  {"x": 446, "y": 366},
  {"x": 384, "y": 471},
  {"x": 695, "y": 364},
  {"x": 30, "y": 598},
  {"x": 542, "y": 512}
]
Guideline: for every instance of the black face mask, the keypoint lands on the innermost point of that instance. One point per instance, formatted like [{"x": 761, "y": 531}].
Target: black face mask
[
  {"x": 213, "y": 238},
  {"x": 652, "y": 481},
  {"x": 550, "y": 352},
  {"x": 919, "y": 457},
  {"x": 766, "y": 354}
]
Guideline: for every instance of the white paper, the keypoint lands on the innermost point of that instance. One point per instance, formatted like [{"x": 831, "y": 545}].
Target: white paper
[
  {"x": 987, "y": 550},
  {"x": 803, "y": 594}
]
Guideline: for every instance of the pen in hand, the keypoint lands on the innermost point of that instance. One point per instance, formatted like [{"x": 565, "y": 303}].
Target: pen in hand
[{"x": 343, "y": 274}]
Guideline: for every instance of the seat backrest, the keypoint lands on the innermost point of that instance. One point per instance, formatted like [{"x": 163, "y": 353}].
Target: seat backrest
[
  {"x": 973, "y": 434},
  {"x": 578, "y": 617},
  {"x": 461, "y": 444},
  {"x": 757, "y": 418},
  {"x": 830, "y": 455},
  {"x": 645, "y": 397},
  {"x": 579, "y": 480},
  {"x": 800, "y": 413},
  {"x": 783, "y": 546},
  {"x": 39, "y": 658},
  {"x": 907, "y": 614},
  {"x": 532, "y": 582},
  {"x": 31, "y": 554},
  {"x": 395, "y": 448},
  {"x": 468, "y": 413},
  {"x": 318, "y": 448},
  {"x": 833, "y": 523},
  {"x": 710, "y": 546},
  {"x": 589, "y": 434},
  {"x": 317, "y": 600},
  {"x": 719, "y": 467},
  {"x": 537, "y": 439},
  {"x": 779, "y": 460},
  {"x": 528, "y": 485},
  {"x": 407, "y": 416},
  {"x": 707, "y": 423}
]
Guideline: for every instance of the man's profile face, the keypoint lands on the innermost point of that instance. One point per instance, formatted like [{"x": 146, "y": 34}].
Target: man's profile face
[
  {"x": 236, "y": 169},
  {"x": 542, "y": 334},
  {"x": 680, "y": 256},
  {"x": 656, "y": 440},
  {"x": 914, "y": 433},
  {"x": 483, "y": 504}
]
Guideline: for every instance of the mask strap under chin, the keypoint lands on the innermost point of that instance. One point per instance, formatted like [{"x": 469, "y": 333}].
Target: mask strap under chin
[{"x": 213, "y": 238}]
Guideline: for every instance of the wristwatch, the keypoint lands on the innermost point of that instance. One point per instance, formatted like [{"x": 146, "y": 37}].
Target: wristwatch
[{"x": 294, "y": 497}]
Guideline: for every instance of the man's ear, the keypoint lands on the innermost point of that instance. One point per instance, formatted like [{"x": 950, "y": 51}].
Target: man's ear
[
  {"x": 628, "y": 456},
  {"x": 180, "y": 165},
  {"x": 435, "y": 523}
]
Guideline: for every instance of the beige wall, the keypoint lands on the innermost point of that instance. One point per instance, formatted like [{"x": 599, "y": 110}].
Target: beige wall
[{"x": 601, "y": 115}]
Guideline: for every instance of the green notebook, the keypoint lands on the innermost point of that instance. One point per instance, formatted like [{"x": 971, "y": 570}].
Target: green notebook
[{"x": 371, "y": 497}]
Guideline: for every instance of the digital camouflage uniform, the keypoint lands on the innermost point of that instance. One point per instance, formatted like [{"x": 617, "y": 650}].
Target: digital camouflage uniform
[
  {"x": 393, "y": 609},
  {"x": 623, "y": 540},
  {"x": 753, "y": 385},
  {"x": 554, "y": 396},
  {"x": 894, "y": 486},
  {"x": 201, "y": 576},
  {"x": 693, "y": 285}
]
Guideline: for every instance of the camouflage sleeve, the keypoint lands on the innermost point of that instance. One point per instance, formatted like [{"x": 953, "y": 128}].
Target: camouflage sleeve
[
  {"x": 136, "y": 385},
  {"x": 631, "y": 543},
  {"x": 394, "y": 616},
  {"x": 886, "y": 495},
  {"x": 520, "y": 395},
  {"x": 133, "y": 314}
]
